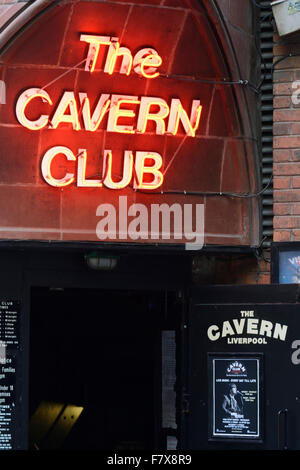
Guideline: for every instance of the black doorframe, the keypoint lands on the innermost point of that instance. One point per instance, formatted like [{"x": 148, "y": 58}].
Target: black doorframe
[
  {"x": 28, "y": 263},
  {"x": 59, "y": 268},
  {"x": 104, "y": 320}
]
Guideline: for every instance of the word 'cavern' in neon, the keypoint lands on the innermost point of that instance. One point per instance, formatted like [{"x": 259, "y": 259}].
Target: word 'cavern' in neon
[
  {"x": 137, "y": 111},
  {"x": 134, "y": 169}
]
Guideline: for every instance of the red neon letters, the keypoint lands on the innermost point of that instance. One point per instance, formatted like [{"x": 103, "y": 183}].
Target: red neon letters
[
  {"x": 140, "y": 166},
  {"x": 76, "y": 111},
  {"x": 112, "y": 112}
]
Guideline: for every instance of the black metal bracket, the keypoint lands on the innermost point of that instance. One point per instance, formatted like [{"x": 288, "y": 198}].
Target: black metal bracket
[{"x": 283, "y": 412}]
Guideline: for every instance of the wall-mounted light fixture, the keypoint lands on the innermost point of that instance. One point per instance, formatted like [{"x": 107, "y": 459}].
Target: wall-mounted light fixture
[
  {"x": 287, "y": 16},
  {"x": 100, "y": 261}
]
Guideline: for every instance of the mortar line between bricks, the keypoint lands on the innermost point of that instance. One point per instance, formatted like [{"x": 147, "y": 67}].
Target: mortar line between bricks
[{"x": 68, "y": 22}]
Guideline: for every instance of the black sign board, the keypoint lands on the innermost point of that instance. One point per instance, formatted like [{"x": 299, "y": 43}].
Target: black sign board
[
  {"x": 7, "y": 401},
  {"x": 9, "y": 346},
  {"x": 235, "y": 396}
]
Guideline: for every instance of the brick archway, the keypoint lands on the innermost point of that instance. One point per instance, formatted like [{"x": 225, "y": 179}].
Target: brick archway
[{"x": 215, "y": 168}]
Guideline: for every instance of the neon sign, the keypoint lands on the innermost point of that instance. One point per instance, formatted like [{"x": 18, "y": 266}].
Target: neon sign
[
  {"x": 146, "y": 57},
  {"x": 127, "y": 114}
]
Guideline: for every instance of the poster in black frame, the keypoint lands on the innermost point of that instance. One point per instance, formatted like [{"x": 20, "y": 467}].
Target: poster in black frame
[
  {"x": 235, "y": 397},
  {"x": 285, "y": 263}
]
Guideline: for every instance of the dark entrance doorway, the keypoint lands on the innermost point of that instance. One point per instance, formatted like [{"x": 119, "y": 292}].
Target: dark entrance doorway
[{"x": 94, "y": 368}]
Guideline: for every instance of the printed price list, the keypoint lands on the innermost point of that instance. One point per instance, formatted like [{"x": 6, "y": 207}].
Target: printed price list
[
  {"x": 7, "y": 401},
  {"x": 9, "y": 323}
]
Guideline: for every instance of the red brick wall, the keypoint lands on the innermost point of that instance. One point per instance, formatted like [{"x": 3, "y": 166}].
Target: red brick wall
[
  {"x": 286, "y": 140},
  {"x": 247, "y": 268},
  {"x": 230, "y": 269},
  {"x": 241, "y": 27},
  {"x": 218, "y": 160}
]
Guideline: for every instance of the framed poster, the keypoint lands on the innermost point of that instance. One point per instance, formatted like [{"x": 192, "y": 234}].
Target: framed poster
[
  {"x": 285, "y": 263},
  {"x": 235, "y": 395}
]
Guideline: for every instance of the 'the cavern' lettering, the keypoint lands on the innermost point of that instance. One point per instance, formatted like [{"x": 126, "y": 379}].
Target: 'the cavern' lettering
[
  {"x": 133, "y": 169},
  {"x": 247, "y": 326}
]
